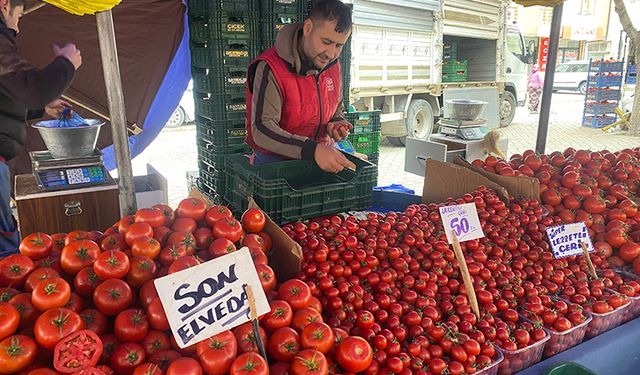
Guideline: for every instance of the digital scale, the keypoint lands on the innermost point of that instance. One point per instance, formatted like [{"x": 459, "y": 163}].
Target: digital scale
[
  {"x": 70, "y": 173},
  {"x": 467, "y": 130}
]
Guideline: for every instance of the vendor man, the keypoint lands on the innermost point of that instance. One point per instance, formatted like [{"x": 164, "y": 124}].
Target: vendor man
[
  {"x": 24, "y": 92},
  {"x": 294, "y": 95}
]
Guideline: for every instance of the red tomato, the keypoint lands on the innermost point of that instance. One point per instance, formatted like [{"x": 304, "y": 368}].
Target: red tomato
[
  {"x": 167, "y": 212},
  {"x": 78, "y": 255},
  {"x": 296, "y": 293},
  {"x": 279, "y": 316},
  {"x": 85, "y": 282},
  {"x": 112, "y": 296},
  {"x": 318, "y": 336},
  {"x": 151, "y": 216},
  {"x": 217, "y": 213},
  {"x": 113, "y": 241},
  {"x": 164, "y": 357},
  {"x": 247, "y": 342},
  {"x": 354, "y": 354},
  {"x": 253, "y": 220},
  {"x": 131, "y": 325},
  {"x": 183, "y": 263},
  {"x": 17, "y": 353},
  {"x": 154, "y": 342},
  {"x": 14, "y": 270},
  {"x": 185, "y": 225},
  {"x": 36, "y": 245},
  {"x": 148, "y": 369},
  {"x": 9, "y": 319},
  {"x": 54, "y": 324},
  {"x": 77, "y": 235},
  {"x": 253, "y": 241},
  {"x": 283, "y": 344},
  {"x": 149, "y": 247},
  {"x": 156, "y": 315},
  {"x": 230, "y": 229},
  {"x": 267, "y": 277},
  {"x": 38, "y": 275},
  {"x": 309, "y": 362},
  {"x": 50, "y": 293},
  {"x": 305, "y": 316},
  {"x": 126, "y": 357},
  {"x": 28, "y": 312},
  {"x": 184, "y": 366},
  {"x": 220, "y": 247},
  {"x": 249, "y": 364},
  {"x": 77, "y": 351},
  {"x": 137, "y": 231},
  {"x": 142, "y": 270},
  {"x": 216, "y": 354},
  {"x": 94, "y": 321},
  {"x": 193, "y": 208}
]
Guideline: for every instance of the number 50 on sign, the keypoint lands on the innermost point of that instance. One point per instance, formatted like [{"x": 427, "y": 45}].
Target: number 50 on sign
[{"x": 463, "y": 220}]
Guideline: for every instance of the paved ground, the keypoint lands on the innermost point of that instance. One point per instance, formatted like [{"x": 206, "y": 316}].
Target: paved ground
[{"x": 174, "y": 153}]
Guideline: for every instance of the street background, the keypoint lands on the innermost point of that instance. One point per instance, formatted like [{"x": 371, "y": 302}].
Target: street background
[{"x": 174, "y": 152}]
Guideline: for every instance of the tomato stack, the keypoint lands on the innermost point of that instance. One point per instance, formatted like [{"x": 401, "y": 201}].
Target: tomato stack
[{"x": 393, "y": 280}]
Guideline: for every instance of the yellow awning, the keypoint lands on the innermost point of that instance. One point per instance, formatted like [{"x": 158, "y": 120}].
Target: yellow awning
[
  {"x": 82, "y": 7},
  {"x": 544, "y": 3}
]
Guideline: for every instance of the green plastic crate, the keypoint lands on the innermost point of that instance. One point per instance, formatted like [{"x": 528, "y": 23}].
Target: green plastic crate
[
  {"x": 206, "y": 7},
  {"x": 453, "y": 77},
  {"x": 222, "y": 150},
  {"x": 223, "y": 25},
  {"x": 569, "y": 368},
  {"x": 454, "y": 67},
  {"x": 364, "y": 122},
  {"x": 228, "y": 79},
  {"x": 283, "y": 6},
  {"x": 223, "y": 53},
  {"x": 295, "y": 190},
  {"x": 221, "y": 133},
  {"x": 366, "y": 143},
  {"x": 272, "y": 23},
  {"x": 220, "y": 107}
]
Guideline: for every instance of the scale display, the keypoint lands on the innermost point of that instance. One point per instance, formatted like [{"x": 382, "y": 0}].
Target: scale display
[{"x": 65, "y": 177}]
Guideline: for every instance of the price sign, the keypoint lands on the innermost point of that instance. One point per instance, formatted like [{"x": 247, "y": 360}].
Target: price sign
[
  {"x": 210, "y": 298},
  {"x": 463, "y": 220},
  {"x": 566, "y": 239}
]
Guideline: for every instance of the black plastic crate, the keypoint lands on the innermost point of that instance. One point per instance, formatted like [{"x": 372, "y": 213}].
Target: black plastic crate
[
  {"x": 283, "y": 6},
  {"x": 295, "y": 190},
  {"x": 206, "y": 7},
  {"x": 364, "y": 122},
  {"x": 224, "y": 25},
  {"x": 223, "y": 53},
  {"x": 220, "y": 107},
  {"x": 228, "y": 79},
  {"x": 221, "y": 133}
]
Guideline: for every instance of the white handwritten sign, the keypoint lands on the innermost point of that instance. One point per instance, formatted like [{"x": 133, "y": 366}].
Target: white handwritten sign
[
  {"x": 463, "y": 219},
  {"x": 565, "y": 239},
  {"x": 210, "y": 298}
]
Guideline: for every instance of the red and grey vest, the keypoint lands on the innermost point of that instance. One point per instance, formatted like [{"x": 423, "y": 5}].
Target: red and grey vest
[{"x": 307, "y": 102}]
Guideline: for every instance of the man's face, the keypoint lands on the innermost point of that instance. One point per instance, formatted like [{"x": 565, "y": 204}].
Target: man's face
[
  {"x": 12, "y": 14},
  {"x": 322, "y": 43}
]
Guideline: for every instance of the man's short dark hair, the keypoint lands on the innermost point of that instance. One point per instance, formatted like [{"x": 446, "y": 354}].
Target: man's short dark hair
[
  {"x": 332, "y": 10},
  {"x": 15, "y": 3}
]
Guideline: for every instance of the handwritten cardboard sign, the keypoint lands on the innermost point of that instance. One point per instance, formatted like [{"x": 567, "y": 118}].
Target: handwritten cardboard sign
[
  {"x": 463, "y": 219},
  {"x": 565, "y": 239},
  {"x": 210, "y": 298}
]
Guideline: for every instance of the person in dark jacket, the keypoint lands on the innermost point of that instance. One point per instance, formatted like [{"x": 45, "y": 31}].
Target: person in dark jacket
[
  {"x": 294, "y": 95},
  {"x": 25, "y": 93}
]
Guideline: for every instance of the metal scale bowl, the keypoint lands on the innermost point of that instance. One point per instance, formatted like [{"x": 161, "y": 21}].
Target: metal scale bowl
[
  {"x": 71, "y": 159},
  {"x": 464, "y": 121}
]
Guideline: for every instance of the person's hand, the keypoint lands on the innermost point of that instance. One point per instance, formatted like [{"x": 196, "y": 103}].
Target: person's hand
[
  {"x": 339, "y": 130},
  {"x": 56, "y": 107},
  {"x": 70, "y": 52},
  {"x": 331, "y": 160}
]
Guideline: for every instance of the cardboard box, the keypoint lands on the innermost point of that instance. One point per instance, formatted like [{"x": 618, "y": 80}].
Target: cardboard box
[
  {"x": 444, "y": 180},
  {"x": 150, "y": 189},
  {"x": 518, "y": 187}
]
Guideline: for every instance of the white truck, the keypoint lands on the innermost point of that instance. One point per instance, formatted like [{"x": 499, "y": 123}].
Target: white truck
[{"x": 397, "y": 60}]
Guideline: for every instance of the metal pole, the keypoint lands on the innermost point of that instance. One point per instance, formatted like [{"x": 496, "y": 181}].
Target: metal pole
[
  {"x": 547, "y": 89},
  {"x": 113, "y": 83}
]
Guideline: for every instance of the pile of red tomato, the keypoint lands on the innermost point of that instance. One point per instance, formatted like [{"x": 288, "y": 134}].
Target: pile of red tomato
[
  {"x": 596, "y": 188},
  {"x": 393, "y": 280},
  {"x": 85, "y": 302}
]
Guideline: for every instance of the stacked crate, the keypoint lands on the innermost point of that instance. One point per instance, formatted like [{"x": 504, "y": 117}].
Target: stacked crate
[
  {"x": 224, "y": 39},
  {"x": 275, "y": 14},
  {"x": 452, "y": 69},
  {"x": 603, "y": 93},
  {"x": 365, "y": 136}
]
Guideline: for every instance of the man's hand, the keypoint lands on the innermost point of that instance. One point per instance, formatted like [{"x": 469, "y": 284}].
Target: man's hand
[
  {"x": 339, "y": 130},
  {"x": 331, "y": 160},
  {"x": 56, "y": 107},
  {"x": 70, "y": 52}
]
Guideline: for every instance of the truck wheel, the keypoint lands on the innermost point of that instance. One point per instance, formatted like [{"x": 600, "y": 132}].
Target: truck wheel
[
  {"x": 397, "y": 141},
  {"x": 507, "y": 109},
  {"x": 419, "y": 119},
  {"x": 582, "y": 88}
]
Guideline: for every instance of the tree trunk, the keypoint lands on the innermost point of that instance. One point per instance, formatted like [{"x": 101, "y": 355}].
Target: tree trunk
[{"x": 634, "y": 35}]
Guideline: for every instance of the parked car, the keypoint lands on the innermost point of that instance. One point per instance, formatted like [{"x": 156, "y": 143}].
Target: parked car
[
  {"x": 571, "y": 76},
  {"x": 185, "y": 113}
]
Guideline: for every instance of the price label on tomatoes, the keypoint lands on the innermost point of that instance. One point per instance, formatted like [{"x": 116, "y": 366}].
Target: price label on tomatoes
[
  {"x": 566, "y": 239},
  {"x": 210, "y": 298},
  {"x": 463, "y": 220}
]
